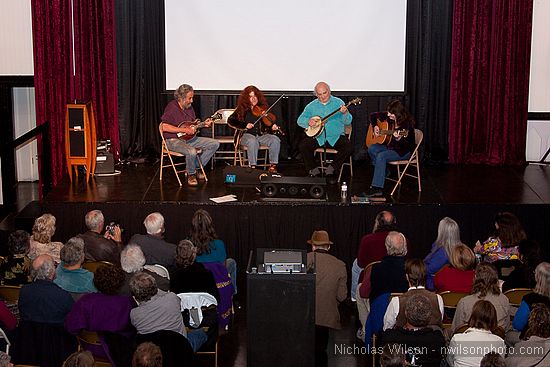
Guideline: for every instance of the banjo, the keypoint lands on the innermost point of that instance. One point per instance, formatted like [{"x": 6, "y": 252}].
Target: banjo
[{"x": 319, "y": 123}]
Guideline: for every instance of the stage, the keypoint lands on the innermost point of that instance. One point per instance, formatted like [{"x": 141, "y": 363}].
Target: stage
[{"x": 472, "y": 195}]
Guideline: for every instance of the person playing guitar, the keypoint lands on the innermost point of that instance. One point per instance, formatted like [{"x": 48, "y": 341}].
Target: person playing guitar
[
  {"x": 390, "y": 138},
  {"x": 179, "y": 128},
  {"x": 255, "y": 126}
]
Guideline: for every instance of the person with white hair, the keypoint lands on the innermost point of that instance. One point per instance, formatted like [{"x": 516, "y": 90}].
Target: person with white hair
[
  {"x": 132, "y": 261},
  {"x": 153, "y": 244},
  {"x": 101, "y": 247}
]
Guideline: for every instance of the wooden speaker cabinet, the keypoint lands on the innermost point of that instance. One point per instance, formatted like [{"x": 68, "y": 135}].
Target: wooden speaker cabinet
[{"x": 80, "y": 138}]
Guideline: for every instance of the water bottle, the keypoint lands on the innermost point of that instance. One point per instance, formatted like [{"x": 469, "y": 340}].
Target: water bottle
[{"x": 344, "y": 192}]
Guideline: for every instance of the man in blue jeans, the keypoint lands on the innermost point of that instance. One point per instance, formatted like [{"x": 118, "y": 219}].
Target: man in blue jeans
[
  {"x": 180, "y": 110},
  {"x": 401, "y": 142}
]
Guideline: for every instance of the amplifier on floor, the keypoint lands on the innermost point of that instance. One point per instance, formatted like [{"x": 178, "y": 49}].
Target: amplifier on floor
[
  {"x": 293, "y": 188},
  {"x": 238, "y": 176}
]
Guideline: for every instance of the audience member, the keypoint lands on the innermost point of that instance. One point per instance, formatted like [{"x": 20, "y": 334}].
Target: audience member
[
  {"x": 153, "y": 245},
  {"x": 459, "y": 275},
  {"x": 15, "y": 268},
  {"x": 330, "y": 290},
  {"x": 189, "y": 275},
  {"x": 492, "y": 359},
  {"x": 388, "y": 276},
  {"x": 392, "y": 356},
  {"x": 415, "y": 271},
  {"x": 41, "y": 239},
  {"x": 504, "y": 244},
  {"x": 485, "y": 287},
  {"x": 541, "y": 294},
  {"x": 523, "y": 276},
  {"x": 101, "y": 247},
  {"x": 41, "y": 338},
  {"x": 210, "y": 247},
  {"x": 416, "y": 335},
  {"x": 371, "y": 247},
  {"x": 159, "y": 310},
  {"x": 147, "y": 355},
  {"x": 193, "y": 277},
  {"x": 8, "y": 323},
  {"x": 43, "y": 300},
  {"x": 132, "y": 261},
  {"x": 80, "y": 359},
  {"x": 537, "y": 341},
  {"x": 465, "y": 348},
  {"x": 106, "y": 313},
  {"x": 448, "y": 236},
  {"x": 69, "y": 274},
  {"x": 5, "y": 360}
]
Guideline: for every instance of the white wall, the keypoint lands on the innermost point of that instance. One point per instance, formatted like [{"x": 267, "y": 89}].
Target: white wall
[
  {"x": 538, "y": 140},
  {"x": 24, "y": 115}
]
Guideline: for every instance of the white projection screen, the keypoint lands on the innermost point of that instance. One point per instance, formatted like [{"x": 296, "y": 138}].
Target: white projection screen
[
  {"x": 286, "y": 45},
  {"x": 539, "y": 83}
]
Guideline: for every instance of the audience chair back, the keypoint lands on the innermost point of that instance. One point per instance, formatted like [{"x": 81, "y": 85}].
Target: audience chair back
[
  {"x": 413, "y": 161},
  {"x": 5, "y": 337},
  {"x": 90, "y": 340},
  {"x": 324, "y": 151},
  {"x": 516, "y": 295},
  {"x": 159, "y": 270},
  {"x": 93, "y": 265},
  {"x": 10, "y": 293},
  {"x": 450, "y": 299}
]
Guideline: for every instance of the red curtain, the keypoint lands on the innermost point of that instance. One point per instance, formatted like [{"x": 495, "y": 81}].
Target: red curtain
[
  {"x": 489, "y": 81},
  {"x": 94, "y": 75},
  {"x": 52, "y": 73},
  {"x": 95, "y": 55}
]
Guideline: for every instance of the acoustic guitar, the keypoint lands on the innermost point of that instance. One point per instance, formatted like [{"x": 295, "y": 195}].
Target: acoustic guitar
[
  {"x": 385, "y": 135},
  {"x": 198, "y": 124},
  {"x": 319, "y": 123}
]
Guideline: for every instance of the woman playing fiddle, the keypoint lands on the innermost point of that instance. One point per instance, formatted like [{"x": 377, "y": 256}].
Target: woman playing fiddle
[{"x": 251, "y": 107}]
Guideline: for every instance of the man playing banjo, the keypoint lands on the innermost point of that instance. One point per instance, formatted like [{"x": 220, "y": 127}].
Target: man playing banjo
[{"x": 323, "y": 131}]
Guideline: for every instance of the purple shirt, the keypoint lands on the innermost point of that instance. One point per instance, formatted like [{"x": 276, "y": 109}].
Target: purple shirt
[{"x": 175, "y": 115}]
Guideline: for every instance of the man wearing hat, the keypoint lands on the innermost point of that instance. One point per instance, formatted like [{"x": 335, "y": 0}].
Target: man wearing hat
[{"x": 330, "y": 290}]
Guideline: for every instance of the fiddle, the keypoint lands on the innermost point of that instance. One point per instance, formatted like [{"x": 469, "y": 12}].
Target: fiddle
[{"x": 268, "y": 118}]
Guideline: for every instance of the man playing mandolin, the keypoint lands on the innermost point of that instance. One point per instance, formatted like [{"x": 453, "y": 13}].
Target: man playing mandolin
[
  {"x": 391, "y": 138},
  {"x": 179, "y": 128},
  {"x": 332, "y": 135}
]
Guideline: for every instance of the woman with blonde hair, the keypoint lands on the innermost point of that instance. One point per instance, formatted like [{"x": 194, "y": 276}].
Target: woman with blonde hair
[
  {"x": 41, "y": 239},
  {"x": 541, "y": 294},
  {"x": 459, "y": 275},
  {"x": 486, "y": 288},
  {"x": 448, "y": 236}
]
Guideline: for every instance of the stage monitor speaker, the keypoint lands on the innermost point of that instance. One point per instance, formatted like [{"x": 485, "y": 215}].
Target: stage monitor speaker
[
  {"x": 105, "y": 163},
  {"x": 293, "y": 188},
  {"x": 238, "y": 176}
]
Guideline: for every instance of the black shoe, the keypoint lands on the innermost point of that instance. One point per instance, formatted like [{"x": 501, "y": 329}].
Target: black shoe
[
  {"x": 374, "y": 192},
  {"x": 331, "y": 179}
]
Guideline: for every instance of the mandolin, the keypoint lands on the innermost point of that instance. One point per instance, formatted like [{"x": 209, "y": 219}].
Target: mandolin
[
  {"x": 385, "y": 134},
  {"x": 319, "y": 125},
  {"x": 197, "y": 124}
]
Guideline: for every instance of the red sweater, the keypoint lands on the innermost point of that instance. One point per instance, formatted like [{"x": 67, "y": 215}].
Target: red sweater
[
  {"x": 7, "y": 319},
  {"x": 371, "y": 248},
  {"x": 454, "y": 280}
]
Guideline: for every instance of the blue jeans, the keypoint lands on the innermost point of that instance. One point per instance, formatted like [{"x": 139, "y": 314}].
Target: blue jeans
[
  {"x": 231, "y": 266},
  {"x": 253, "y": 142},
  {"x": 196, "y": 338},
  {"x": 355, "y": 273},
  {"x": 380, "y": 155},
  {"x": 189, "y": 149}
]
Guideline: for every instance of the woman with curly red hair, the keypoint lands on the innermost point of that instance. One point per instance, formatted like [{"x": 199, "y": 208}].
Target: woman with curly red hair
[{"x": 251, "y": 105}]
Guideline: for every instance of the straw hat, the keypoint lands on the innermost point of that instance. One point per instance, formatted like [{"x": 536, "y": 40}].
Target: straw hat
[{"x": 319, "y": 238}]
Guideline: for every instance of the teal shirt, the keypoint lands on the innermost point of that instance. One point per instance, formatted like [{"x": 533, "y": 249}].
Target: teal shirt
[
  {"x": 75, "y": 281},
  {"x": 216, "y": 253},
  {"x": 334, "y": 126}
]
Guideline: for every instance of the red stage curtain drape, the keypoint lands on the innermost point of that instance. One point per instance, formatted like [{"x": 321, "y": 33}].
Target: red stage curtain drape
[
  {"x": 489, "y": 81},
  {"x": 51, "y": 30},
  {"x": 94, "y": 76}
]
